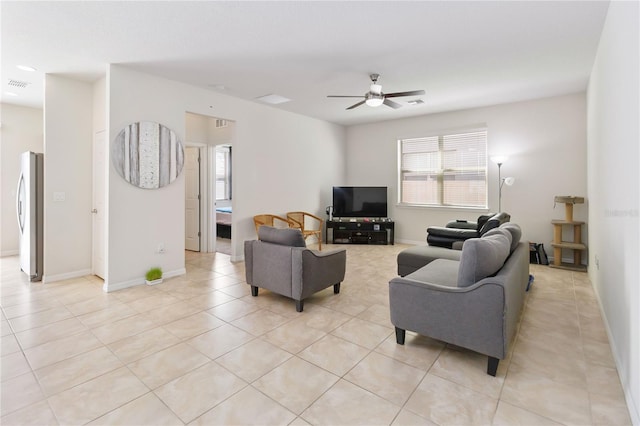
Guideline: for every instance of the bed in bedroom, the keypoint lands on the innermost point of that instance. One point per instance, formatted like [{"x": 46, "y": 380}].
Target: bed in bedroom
[{"x": 223, "y": 222}]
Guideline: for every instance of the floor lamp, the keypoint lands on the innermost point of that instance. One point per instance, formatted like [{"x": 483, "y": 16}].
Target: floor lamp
[{"x": 499, "y": 160}]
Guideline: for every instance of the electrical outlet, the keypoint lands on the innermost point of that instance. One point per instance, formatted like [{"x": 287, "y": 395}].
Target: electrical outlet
[{"x": 161, "y": 248}]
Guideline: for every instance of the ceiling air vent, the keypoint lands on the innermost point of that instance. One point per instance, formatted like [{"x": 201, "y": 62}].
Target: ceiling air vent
[
  {"x": 221, "y": 123},
  {"x": 18, "y": 83}
]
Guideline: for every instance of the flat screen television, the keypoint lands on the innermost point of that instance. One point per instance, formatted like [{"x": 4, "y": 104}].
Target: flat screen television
[{"x": 360, "y": 201}]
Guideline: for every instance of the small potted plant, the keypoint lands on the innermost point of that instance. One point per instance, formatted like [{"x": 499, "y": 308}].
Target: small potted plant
[{"x": 154, "y": 276}]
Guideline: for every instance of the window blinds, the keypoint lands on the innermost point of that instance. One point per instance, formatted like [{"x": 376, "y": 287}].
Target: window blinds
[{"x": 446, "y": 170}]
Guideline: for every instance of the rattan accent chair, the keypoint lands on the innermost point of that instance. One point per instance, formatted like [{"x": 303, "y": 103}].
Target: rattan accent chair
[
  {"x": 270, "y": 220},
  {"x": 298, "y": 220}
]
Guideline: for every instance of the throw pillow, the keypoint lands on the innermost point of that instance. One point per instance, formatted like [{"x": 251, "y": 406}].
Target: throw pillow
[
  {"x": 281, "y": 236},
  {"x": 499, "y": 231},
  {"x": 482, "y": 257},
  {"x": 515, "y": 231}
]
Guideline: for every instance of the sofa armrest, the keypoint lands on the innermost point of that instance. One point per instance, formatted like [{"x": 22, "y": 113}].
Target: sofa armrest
[
  {"x": 493, "y": 222},
  {"x": 471, "y": 317},
  {"x": 462, "y": 224},
  {"x": 445, "y": 237},
  {"x": 454, "y": 233},
  {"x": 318, "y": 270}
]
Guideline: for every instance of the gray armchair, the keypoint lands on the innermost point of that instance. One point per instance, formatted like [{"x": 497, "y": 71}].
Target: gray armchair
[{"x": 280, "y": 262}]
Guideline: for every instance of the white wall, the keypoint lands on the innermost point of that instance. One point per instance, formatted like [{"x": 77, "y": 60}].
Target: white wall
[
  {"x": 282, "y": 161},
  {"x": 546, "y": 143},
  {"x": 202, "y": 129},
  {"x": 21, "y": 131},
  {"x": 614, "y": 182},
  {"x": 67, "y": 169},
  {"x": 100, "y": 105}
]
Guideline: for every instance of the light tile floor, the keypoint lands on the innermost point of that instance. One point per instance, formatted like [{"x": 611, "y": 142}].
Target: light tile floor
[{"x": 199, "y": 349}]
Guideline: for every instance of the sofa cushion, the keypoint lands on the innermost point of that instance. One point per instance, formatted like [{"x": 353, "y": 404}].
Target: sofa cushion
[
  {"x": 515, "y": 231},
  {"x": 281, "y": 236},
  {"x": 482, "y": 257},
  {"x": 413, "y": 258},
  {"x": 443, "y": 272}
]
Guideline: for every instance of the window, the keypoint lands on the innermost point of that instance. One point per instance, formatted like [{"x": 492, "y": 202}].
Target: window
[
  {"x": 223, "y": 173},
  {"x": 444, "y": 170}
]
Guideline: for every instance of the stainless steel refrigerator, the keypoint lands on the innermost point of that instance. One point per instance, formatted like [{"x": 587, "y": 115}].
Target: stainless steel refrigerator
[{"x": 30, "y": 209}]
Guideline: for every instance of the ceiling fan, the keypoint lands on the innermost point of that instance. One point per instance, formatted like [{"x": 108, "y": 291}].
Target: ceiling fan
[{"x": 375, "y": 97}]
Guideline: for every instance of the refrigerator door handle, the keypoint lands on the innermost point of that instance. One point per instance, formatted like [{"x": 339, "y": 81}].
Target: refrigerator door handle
[{"x": 19, "y": 199}]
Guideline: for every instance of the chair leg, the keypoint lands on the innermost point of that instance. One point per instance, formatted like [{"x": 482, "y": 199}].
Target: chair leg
[
  {"x": 336, "y": 288},
  {"x": 299, "y": 305},
  {"x": 254, "y": 290},
  {"x": 400, "y": 333},
  {"x": 492, "y": 366}
]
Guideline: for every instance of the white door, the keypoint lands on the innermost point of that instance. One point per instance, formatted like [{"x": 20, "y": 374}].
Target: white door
[
  {"x": 192, "y": 201},
  {"x": 99, "y": 204}
]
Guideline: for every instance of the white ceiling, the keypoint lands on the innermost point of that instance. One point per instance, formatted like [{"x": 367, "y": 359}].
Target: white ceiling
[{"x": 463, "y": 54}]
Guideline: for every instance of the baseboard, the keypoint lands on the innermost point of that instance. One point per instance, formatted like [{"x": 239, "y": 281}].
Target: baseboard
[
  {"x": 567, "y": 260},
  {"x": 411, "y": 242},
  {"x": 634, "y": 414},
  {"x": 46, "y": 279},
  {"x": 109, "y": 287},
  {"x": 8, "y": 253}
]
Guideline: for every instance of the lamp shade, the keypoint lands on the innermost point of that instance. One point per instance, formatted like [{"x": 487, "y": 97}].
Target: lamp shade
[
  {"x": 499, "y": 159},
  {"x": 509, "y": 180}
]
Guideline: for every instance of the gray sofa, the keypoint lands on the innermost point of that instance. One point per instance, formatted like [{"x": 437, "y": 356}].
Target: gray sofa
[
  {"x": 442, "y": 239},
  {"x": 474, "y": 302},
  {"x": 280, "y": 261},
  {"x": 456, "y": 232}
]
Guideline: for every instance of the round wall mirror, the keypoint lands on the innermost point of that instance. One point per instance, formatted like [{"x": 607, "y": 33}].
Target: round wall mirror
[{"x": 147, "y": 155}]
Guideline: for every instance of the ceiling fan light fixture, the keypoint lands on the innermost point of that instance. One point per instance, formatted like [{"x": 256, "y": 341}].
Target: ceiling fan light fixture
[
  {"x": 374, "y": 100},
  {"x": 376, "y": 97}
]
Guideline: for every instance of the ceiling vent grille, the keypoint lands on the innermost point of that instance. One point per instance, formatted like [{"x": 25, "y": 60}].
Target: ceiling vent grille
[
  {"x": 18, "y": 83},
  {"x": 221, "y": 123}
]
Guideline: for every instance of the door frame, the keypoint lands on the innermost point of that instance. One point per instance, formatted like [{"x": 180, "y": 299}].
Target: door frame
[
  {"x": 95, "y": 267},
  {"x": 204, "y": 188},
  {"x": 199, "y": 183}
]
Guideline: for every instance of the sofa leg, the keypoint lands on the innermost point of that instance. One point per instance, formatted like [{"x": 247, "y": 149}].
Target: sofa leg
[
  {"x": 254, "y": 290},
  {"x": 492, "y": 366},
  {"x": 400, "y": 336},
  {"x": 299, "y": 305},
  {"x": 336, "y": 288}
]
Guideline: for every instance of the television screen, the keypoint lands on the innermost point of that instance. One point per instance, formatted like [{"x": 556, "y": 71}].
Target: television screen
[{"x": 360, "y": 201}]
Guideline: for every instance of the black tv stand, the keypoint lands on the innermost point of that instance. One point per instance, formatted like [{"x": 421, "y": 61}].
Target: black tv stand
[{"x": 360, "y": 231}]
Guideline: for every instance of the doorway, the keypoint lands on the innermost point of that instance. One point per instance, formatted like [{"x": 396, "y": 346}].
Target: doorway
[{"x": 208, "y": 183}]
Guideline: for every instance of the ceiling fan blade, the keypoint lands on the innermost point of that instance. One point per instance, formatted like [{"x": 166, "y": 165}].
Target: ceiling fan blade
[
  {"x": 392, "y": 104},
  {"x": 410, "y": 93},
  {"x": 356, "y": 105},
  {"x": 343, "y": 96}
]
